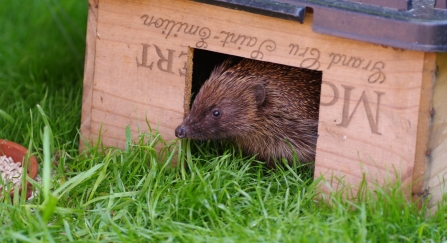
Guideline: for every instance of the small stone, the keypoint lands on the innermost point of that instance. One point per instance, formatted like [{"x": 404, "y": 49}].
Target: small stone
[{"x": 10, "y": 171}]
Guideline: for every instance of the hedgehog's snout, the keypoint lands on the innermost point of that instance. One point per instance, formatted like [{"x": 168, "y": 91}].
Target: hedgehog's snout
[{"x": 180, "y": 132}]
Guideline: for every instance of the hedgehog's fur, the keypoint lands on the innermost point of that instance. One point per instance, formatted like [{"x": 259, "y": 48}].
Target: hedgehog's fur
[{"x": 265, "y": 108}]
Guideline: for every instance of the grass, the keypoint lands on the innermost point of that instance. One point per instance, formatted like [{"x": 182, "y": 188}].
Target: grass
[{"x": 111, "y": 195}]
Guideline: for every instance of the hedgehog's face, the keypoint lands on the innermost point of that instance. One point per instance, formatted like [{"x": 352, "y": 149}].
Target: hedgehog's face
[{"x": 221, "y": 114}]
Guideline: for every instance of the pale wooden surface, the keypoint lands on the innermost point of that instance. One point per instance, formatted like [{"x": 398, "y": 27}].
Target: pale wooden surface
[
  {"x": 89, "y": 72},
  {"x": 436, "y": 172},
  {"x": 375, "y": 138},
  {"x": 428, "y": 78}
]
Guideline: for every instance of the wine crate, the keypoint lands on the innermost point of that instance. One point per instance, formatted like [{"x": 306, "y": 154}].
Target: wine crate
[{"x": 383, "y": 109}]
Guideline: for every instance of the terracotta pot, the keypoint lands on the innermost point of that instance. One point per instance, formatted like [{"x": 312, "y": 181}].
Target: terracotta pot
[{"x": 17, "y": 152}]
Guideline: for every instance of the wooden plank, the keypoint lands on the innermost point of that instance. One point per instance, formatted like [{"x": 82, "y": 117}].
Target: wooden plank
[
  {"x": 372, "y": 127},
  {"x": 424, "y": 121},
  {"x": 371, "y": 95},
  {"x": 126, "y": 87},
  {"x": 89, "y": 71},
  {"x": 436, "y": 171}
]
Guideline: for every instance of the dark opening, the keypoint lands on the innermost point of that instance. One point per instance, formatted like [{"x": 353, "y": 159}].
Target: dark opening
[{"x": 203, "y": 63}]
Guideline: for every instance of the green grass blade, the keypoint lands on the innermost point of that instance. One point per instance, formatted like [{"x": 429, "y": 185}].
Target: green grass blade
[
  {"x": 6, "y": 116},
  {"x": 128, "y": 138},
  {"x": 46, "y": 168},
  {"x": 78, "y": 179},
  {"x": 47, "y": 125}
]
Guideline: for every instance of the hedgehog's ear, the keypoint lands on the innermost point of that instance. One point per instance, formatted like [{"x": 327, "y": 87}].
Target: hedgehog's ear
[{"x": 259, "y": 92}]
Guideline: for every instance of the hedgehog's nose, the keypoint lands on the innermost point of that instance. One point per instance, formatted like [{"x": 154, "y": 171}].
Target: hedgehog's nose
[{"x": 180, "y": 132}]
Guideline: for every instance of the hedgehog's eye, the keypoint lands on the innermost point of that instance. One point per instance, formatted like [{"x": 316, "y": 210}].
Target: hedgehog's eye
[{"x": 216, "y": 113}]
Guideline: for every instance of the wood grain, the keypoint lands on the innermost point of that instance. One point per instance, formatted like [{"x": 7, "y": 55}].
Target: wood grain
[
  {"x": 424, "y": 121},
  {"x": 89, "y": 72},
  {"x": 436, "y": 171}
]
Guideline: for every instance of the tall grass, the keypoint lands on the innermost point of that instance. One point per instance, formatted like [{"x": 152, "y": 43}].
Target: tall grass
[
  {"x": 136, "y": 195},
  {"x": 38, "y": 65}
]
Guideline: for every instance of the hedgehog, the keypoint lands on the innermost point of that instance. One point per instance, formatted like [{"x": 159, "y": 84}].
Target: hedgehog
[{"x": 268, "y": 110}]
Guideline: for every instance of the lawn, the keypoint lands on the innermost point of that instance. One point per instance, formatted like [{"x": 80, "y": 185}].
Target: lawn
[{"x": 135, "y": 195}]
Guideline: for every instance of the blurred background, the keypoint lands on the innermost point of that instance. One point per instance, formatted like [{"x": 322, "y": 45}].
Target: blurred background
[{"x": 42, "y": 45}]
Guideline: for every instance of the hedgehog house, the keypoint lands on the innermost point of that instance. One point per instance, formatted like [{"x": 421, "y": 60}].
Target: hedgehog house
[{"x": 383, "y": 104}]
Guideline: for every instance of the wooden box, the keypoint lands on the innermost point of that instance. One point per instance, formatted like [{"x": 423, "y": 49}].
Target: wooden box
[{"x": 383, "y": 110}]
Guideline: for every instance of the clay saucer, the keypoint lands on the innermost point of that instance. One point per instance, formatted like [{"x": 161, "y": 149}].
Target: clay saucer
[{"x": 18, "y": 153}]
